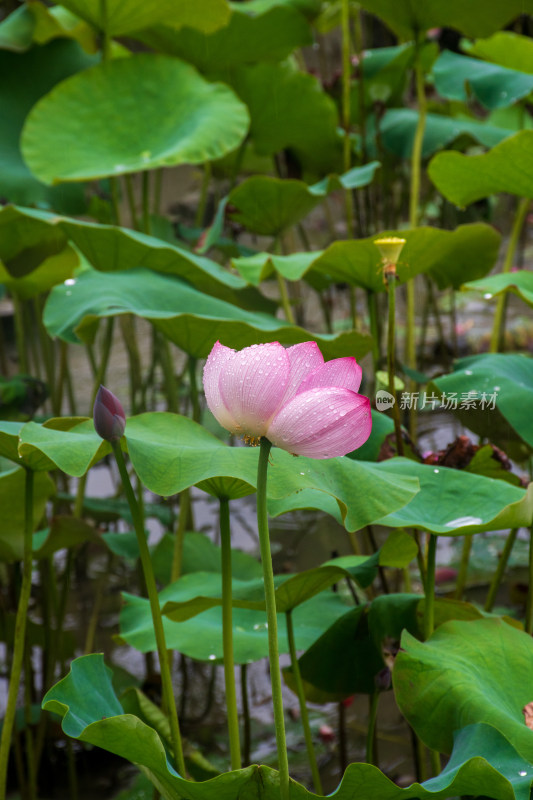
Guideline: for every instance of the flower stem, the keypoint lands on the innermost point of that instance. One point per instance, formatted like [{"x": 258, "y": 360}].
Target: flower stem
[
  {"x": 272, "y": 622},
  {"x": 391, "y": 292},
  {"x": 346, "y": 112},
  {"x": 518, "y": 223},
  {"x": 529, "y": 607},
  {"x": 227, "y": 636},
  {"x": 19, "y": 638},
  {"x": 414, "y": 199},
  {"x": 429, "y": 607},
  {"x": 463, "y": 567},
  {"x": 500, "y": 569},
  {"x": 157, "y": 620},
  {"x": 371, "y": 730},
  {"x": 303, "y": 706}
]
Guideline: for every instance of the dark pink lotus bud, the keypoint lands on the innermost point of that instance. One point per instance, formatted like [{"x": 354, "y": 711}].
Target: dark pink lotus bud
[{"x": 108, "y": 415}]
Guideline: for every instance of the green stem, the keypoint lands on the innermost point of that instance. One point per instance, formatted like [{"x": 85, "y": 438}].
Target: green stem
[
  {"x": 131, "y": 202},
  {"x": 391, "y": 292},
  {"x": 303, "y": 706},
  {"x": 22, "y": 351},
  {"x": 195, "y": 402},
  {"x": 463, "y": 567},
  {"x": 414, "y": 200},
  {"x": 371, "y": 730},
  {"x": 157, "y": 620},
  {"x": 227, "y": 636},
  {"x": 272, "y": 621},
  {"x": 518, "y": 224},
  {"x": 371, "y": 299},
  {"x": 113, "y": 185},
  {"x": 158, "y": 188},
  {"x": 247, "y": 723},
  {"x": 429, "y": 606},
  {"x": 500, "y": 569},
  {"x": 346, "y": 111},
  {"x": 20, "y": 633},
  {"x": 529, "y": 606},
  {"x": 146, "y": 201},
  {"x": 284, "y": 298},
  {"x": 169, "y": 375},
  {"x": 177, "y": 554},
  {"x": 200, "y": 211}
]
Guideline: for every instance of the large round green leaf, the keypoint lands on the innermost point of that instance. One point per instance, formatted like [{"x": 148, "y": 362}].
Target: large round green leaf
[
  {"x": 121, "y": 17},
  {"x": 508, "y": 167},
  {"x": 32, "y": 75},
  {"x": 398, "y": 126},
  {"x": 33, "y": 233},
  {"x": 453, "y": 502},
  {"x": 475, "y": 18},
  {"x": 507, "y": 48},
  {"x": 192, "y": 320},
  {"x": 128, "y": 115},
  {"x": 254, "y": 33},
  {"x": 505, "y": 377},
  {"x": 170, "y": 453},
  {"x": 346, "y": 659},
  {"x": 519, "y": 283},
  {"x": 49, "y": 273},
  {"x": 289, "y": 109},
  {"x": 69, "y": 444},
  {"x": 448, "y": 256},
  {"x": 269, "y": 205},
  {"x": 467, "y": 672},
  {"x": 493, "y": 85},
  {"x": 201, "y": 636},
  {"x": 90, "y": 711},
  {"x": 12, "y": 493}
]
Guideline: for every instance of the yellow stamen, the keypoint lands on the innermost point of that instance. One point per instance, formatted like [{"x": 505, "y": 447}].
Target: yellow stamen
[{"x": 252, "y": 441}]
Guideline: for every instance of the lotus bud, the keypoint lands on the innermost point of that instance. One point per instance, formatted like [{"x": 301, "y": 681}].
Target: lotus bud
[{"x": 108, "y": 415}]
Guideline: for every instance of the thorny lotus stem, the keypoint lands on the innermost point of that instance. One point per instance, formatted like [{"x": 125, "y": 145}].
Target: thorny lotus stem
[
  {"x": 272, "y": 622},
  {"x": 227, "y": 636},
  {"x": 518, "y": 223},
  {"x": 168, "y": 694},
  {"x": 390, "y": 277},
  {"x": 500, "y": 569},
  {"x": 302, "y": 703},
  {"x": 20, "y": 633},
  {"x": 429, "y": 605}
]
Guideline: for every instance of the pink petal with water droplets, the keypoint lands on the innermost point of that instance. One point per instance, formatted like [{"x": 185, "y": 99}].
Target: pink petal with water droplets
[
  {"x": 322, "y": 423},
  {"x": 252, "y": 385},
  {"x": 304, "y": 358},
  {"x": 344, "y": 373},
  {"x": 216, "y": 363}
]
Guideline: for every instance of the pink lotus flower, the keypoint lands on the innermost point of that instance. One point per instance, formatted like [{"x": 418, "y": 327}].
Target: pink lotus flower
[{"x": 299, "y": 402}]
